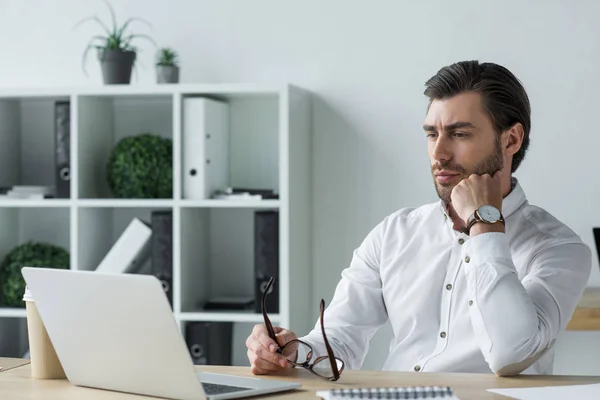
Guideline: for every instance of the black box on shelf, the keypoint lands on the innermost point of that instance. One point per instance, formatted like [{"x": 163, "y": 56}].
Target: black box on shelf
[{"x": 266, "y": 258}]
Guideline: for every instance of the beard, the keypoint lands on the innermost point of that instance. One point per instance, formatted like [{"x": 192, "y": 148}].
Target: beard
[{"x": 489, "y": 165}]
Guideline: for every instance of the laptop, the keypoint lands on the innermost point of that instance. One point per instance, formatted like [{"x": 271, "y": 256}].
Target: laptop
[{"x": 117, "y": 332}]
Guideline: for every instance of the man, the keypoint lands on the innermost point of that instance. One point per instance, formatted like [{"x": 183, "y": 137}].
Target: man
[{"x": 480, "y": 281}]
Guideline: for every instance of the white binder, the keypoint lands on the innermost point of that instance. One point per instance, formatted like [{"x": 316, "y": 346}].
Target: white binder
[
  {"x": 130, "y": 251},
  {"x": 205, "y": 147}
]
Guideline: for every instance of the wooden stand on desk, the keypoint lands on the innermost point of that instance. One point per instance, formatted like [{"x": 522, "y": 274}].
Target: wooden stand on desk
[{"x": 587, "y": 315}]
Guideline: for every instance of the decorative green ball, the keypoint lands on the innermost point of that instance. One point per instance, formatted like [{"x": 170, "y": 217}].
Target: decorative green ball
[
  {"x": 141, "y": 166},
  {"x": 30, "y": 254}
]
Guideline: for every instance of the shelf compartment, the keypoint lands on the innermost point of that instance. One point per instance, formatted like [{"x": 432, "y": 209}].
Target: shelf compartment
[
  {"x": 99, "y": 229},
  {"x": 103, "y": 121},
  {"x": 229, "y": 142},
  {"x": 27, "y": 142},
  {"x": 218, "y": 257},
  {"x": 39, "y": 225}
]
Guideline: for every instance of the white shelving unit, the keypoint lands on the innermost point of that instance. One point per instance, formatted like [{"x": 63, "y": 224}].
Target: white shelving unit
[{"x": 269, "y": 142}]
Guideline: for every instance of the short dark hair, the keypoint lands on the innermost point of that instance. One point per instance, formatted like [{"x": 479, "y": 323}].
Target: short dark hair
[{"x": 503, "y": 96}]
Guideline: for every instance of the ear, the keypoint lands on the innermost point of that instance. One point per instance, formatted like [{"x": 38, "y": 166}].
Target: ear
[{"x": 513, "y": 139}]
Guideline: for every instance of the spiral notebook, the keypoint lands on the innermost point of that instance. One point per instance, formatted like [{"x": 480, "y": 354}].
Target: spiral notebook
[{"x": 406, "y": 392}]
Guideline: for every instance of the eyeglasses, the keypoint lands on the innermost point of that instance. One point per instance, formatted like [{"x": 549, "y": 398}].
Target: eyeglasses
[{"x": 327, "y": 367}]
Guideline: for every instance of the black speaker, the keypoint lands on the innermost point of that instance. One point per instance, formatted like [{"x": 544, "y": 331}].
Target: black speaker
[
  {"x": 266, "y": 258},
  {"x": 210, "y": 343},
  {"x": 162, "y": 250}
]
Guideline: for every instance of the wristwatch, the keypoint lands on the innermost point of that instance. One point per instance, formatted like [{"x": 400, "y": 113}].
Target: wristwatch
[{"x": 486, "y": 214}]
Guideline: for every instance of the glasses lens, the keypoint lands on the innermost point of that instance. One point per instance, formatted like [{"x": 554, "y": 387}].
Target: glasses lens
[
  {"x": 303, "y": 350},
  {"x": 322, "y": 366}
]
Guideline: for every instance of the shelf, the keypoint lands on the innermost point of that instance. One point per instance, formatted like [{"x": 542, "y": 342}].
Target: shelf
[
  {"x": 143, "y": 203},
  {"x": 35, "y": 203},
  {"x": 231, "y": 89},
  {"x": 230, "y": 203},
  {"x": 226, "y": 316},
  {"x": 587, "y": 314},
  {"x": 13, "y": 312},
  {"x": 217, "y": 247},
  {"x": 135, "y": 203}
]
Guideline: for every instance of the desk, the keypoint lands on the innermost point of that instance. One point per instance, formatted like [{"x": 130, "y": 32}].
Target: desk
[
  {"x": 16, "y": 384},
  {"x": 587, "y": 315}
]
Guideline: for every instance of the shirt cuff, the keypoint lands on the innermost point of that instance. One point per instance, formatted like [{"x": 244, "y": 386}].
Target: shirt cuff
[
  {"x": 485, "y": 248},
  {"x": 490, "y": 248}
]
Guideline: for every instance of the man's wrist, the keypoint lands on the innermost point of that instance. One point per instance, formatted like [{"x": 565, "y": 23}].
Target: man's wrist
[{"x": 481, "y": 227}]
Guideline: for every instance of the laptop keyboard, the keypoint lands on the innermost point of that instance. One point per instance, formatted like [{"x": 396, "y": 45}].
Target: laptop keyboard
[{"x": 212, "y": 389}]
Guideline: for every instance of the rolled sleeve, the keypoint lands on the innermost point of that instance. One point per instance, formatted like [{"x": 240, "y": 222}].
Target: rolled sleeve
[{"x": 517, "y": 321}]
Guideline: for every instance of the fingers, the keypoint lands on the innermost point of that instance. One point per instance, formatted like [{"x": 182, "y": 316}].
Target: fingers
[
  {"x": 262, "y": 336},
  {"x": 284, "y": 336},
  {"x": 263, "y": 354},
  {"x": 260, "y": 366},
  {"x": 262, "y": 351}
]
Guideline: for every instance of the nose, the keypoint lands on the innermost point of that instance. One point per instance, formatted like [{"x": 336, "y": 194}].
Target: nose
[{"x": 442, "y": 151}]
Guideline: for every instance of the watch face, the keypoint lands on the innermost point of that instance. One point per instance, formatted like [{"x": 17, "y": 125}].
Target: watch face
[{"x": 489, "y": 213}]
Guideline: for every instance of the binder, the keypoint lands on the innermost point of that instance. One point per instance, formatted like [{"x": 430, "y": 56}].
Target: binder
[
  {"x": 205, "y": 147},
  {"x": 62, "y": 148},
  {"x": 130, "y": 251},
  {"x": 162, "y": 250},
  {"x": 266, "y": 259},
  {"x": 210, "y": 342}
]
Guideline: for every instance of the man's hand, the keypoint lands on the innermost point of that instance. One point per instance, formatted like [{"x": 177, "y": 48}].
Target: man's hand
[
  {"x": 262, "y": 350},
  {"x": 474, "y": 192}
]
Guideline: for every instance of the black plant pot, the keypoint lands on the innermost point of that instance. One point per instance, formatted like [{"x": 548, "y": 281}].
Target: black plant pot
[{"x": 116, "y": 65}]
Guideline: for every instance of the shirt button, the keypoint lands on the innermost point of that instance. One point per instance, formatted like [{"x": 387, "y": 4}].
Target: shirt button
[
  {"x": 470, "y": 302},
  {"x": 417, "y": 368},
  {"x": 467, "y": 259},
  {"x": 449, "y": 286},
  {"x": 461, "y": 241},
  {"x": 443, "y": 335}
]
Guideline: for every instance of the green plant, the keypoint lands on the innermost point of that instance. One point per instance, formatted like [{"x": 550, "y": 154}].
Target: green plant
[
  {"x": 141, "y": 166},
  {"x": 167, "y": 57},
  {"x": 115, "y": 38},
  {"x": 30, "y": 254}
]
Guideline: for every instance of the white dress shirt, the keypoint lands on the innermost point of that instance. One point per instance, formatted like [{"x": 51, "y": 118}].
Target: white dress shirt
[{"x": 495, "y": 302}]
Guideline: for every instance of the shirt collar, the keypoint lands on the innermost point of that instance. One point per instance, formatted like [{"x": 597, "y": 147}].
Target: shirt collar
[{"x": 511, "y": 203}]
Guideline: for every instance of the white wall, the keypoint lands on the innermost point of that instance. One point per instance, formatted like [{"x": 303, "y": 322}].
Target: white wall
[{"x": 367, "y": 62}]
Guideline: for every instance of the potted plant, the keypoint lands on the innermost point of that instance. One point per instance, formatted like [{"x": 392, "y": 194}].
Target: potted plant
[
  {"x": 116, "y": 53},
  {"x": 141, "y": 167},
  {"x": 167, "y": 68},
  {"x": 29, "y": 254}
]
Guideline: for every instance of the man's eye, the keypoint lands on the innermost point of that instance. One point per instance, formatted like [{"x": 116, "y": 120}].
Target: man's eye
[
  {"x": 461, "y": 134},
  {"x": 431, "y": 135}
]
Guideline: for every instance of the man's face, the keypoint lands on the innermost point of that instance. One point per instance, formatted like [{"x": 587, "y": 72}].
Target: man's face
[{"x": 461, "y": 141}]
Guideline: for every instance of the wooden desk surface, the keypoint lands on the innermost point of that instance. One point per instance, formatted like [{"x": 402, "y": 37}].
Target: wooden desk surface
[
  {"x": 587, "y": 315},
  {"x": 16, "y": 384}
]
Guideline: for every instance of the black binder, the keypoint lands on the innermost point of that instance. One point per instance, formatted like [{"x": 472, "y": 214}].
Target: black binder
[
  {"x": 266, "y": 258},
  {"x": 209, "y": 343},
  {"x": 162, "y": 249},
  {"x": 62, "y": 147}
]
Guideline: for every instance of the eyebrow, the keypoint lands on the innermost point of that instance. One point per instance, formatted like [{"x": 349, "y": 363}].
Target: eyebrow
[{"x": 450, "y": 127}]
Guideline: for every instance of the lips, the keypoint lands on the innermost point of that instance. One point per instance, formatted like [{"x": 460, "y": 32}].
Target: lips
[{"x": 445, "y": 177}]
